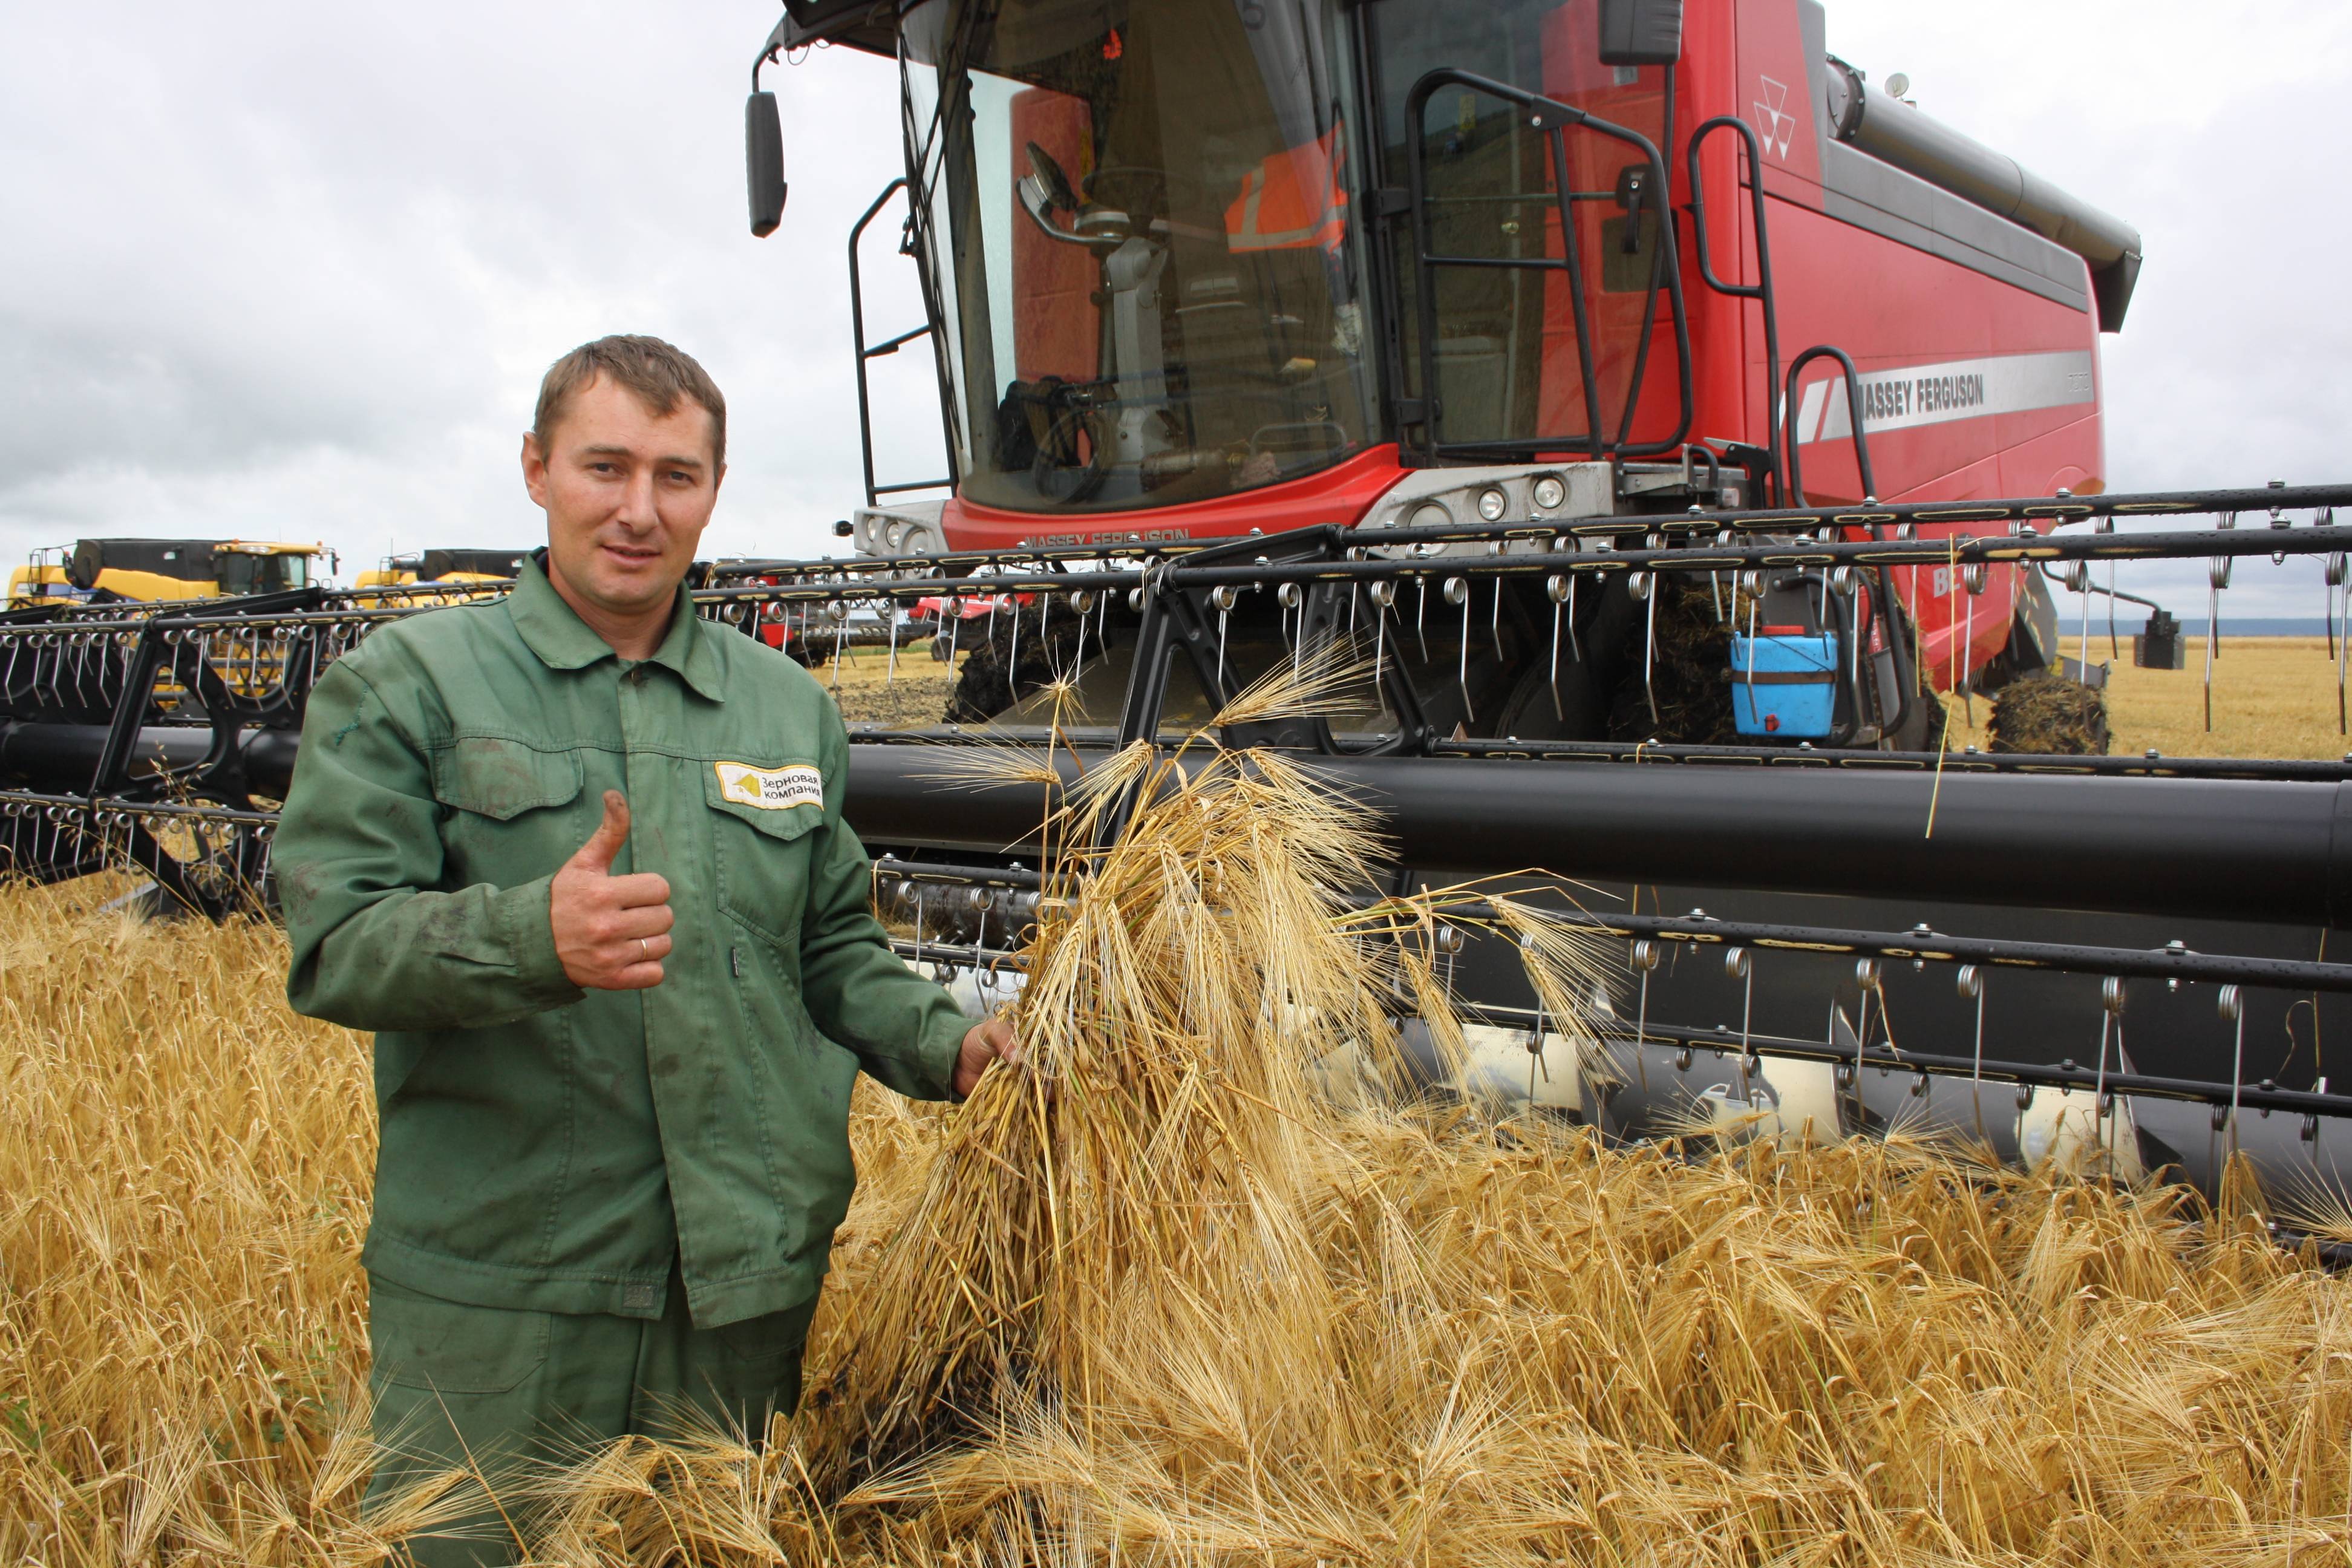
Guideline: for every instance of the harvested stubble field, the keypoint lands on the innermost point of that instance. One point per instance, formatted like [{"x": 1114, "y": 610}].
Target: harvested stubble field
[
  {"x": 2272, "y": 696},
  {"x": 1185, "y": 1310},
  {"x": 911, "y": 697}
]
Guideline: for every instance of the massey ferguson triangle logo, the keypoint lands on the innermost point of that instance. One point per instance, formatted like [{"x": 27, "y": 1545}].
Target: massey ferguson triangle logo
[{"x": 1778, "y": 126}]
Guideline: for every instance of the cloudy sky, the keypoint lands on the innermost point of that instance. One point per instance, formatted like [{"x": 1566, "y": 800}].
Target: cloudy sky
[{"x": 293, "y": 270}]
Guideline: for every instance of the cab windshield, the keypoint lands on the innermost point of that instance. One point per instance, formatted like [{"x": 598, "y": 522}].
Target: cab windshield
[
  {"x": 1510, "y": 317},
  {"x": 1139, "y": 224},
  {"x": 249, "y": 571}
]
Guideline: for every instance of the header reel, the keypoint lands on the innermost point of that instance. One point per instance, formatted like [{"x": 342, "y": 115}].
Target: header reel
[{"x": 1836, "y": 875}]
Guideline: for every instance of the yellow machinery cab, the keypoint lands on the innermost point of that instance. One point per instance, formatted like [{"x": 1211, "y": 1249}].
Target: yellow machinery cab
[{"x": 146, "y": 570}]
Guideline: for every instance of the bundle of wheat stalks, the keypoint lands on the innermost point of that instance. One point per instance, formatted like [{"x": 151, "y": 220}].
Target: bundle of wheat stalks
[
  {"x": 1192, "y": 1284},
  {"x": 1197, "y": 991}
]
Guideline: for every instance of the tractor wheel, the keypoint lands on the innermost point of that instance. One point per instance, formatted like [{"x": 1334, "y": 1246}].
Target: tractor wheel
[
  {"x": 1575, "y": 707},
  {"x": 1923, "y": 728},
  {"x": 1690, "y": 678},
  {"x": 2050, "y": 714},
  {"x": 983, "y": 692}
]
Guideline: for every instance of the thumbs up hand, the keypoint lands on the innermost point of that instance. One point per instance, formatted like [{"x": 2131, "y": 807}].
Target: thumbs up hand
[{"x": 612, "y": 933}]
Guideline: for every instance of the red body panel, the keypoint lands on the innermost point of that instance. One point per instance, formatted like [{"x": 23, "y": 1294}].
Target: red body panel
[
  {"x": 1573, "y": 74},
  {"x": 1339, "y": 494},
  {"x": 1959, "y": 336},
  {"x": 1888, "y": 305}
]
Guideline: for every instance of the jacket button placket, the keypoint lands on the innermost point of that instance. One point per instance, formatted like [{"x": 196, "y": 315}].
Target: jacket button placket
[{"x": 642, "y": 779}]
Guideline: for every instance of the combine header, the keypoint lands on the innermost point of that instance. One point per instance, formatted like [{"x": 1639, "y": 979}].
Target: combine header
[{"x": 1461, "y": 336}]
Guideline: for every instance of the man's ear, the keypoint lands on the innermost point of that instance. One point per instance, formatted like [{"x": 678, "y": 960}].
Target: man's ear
[
  {"x": 718, "y": 479},
  {"x": 534, "y": 468}
]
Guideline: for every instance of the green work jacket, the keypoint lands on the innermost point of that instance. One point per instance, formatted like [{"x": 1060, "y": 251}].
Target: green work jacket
[{"x": 553, "y": 1149}]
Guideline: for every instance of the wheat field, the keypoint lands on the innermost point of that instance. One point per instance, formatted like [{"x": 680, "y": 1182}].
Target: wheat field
[
  {"x": 1258, "y": 1331},
  {"x": 1212, "y": 1322},
  {"x": 2272, "y": 696}
]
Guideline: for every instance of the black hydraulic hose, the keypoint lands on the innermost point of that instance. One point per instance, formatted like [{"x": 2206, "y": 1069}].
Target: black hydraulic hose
[
  {"x": 1700, "y": 449},
  {"x": 2089, "y": 587},
  {"x": 1893, "y": 614}
]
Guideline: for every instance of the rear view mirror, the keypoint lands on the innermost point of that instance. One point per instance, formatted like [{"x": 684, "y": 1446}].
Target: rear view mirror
[
  {"x": 1640, "y": 32},
  {"x": 1046, "y": 190},
  {"x": 764, "y": 162},
  {"x": 1051, "y": 180}
]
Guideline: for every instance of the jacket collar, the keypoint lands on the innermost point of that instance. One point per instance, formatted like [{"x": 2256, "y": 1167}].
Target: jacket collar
[{"x": 550, "y": 629}]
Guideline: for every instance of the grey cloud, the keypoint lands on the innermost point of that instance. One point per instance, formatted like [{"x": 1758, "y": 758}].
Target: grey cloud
[{"x": 293, "y": 270}]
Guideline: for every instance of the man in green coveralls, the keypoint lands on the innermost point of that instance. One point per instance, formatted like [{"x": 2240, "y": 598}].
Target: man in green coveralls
[{"x": 578, "y": 858}]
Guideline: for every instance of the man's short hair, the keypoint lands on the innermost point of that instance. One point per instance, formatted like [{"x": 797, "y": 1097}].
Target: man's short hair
[{"x": 659, "y": 374}]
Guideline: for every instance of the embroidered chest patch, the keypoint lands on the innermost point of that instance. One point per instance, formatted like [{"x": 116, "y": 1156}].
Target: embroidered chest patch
[{"x": 771, "y": 789}]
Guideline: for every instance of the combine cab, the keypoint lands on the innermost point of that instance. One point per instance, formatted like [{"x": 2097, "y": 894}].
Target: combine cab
[{"x": 148, "y": 570}]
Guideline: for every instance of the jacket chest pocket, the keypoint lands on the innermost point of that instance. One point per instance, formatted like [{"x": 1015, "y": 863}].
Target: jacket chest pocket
[
  {"x": 508, "y": 800},
  {"x": 761, "y": 816}
]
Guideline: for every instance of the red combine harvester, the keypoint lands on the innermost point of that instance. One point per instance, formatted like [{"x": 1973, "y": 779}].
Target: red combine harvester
[
  {"x": 1200, "y": 270},
  {"x": 1644, "y": 386}
]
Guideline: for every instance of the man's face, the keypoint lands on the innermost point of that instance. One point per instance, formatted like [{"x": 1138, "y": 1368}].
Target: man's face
[{"x": 626, "y": 493}]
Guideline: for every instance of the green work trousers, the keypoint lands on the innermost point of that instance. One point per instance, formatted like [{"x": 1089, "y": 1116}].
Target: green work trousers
[{"x": 508, "y": 1393}]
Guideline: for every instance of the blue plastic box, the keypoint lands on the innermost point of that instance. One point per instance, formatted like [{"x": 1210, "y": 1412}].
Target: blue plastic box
[{"x": 1793, "y": 695}]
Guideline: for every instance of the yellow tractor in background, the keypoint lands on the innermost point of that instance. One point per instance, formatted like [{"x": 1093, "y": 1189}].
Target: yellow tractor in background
[{"x": 146, "y": 570}]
